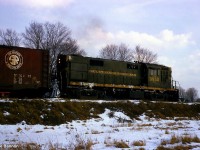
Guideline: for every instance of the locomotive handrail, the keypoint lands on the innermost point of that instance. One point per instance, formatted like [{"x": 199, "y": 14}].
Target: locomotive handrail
[{"x": 181, "y": 93}]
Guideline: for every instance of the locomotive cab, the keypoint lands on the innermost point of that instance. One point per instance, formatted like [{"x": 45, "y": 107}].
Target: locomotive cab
[{"x": 157, "y": 78}]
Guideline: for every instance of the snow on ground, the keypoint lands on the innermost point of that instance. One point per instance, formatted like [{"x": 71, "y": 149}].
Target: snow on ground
[{"x": 103, "y": 132}]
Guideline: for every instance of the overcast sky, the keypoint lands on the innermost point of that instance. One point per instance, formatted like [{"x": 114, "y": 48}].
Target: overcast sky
[{"x": 170, "y": 28}]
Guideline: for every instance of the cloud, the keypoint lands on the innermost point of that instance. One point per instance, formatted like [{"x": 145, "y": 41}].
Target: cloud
[
  {"x": 165, "y": 41},
  {"x": 38, "y": 3},
  {"x": 133, "y": 6},
  {"x": 195, "y": 61},
  {"x": 177, "y": 40}
]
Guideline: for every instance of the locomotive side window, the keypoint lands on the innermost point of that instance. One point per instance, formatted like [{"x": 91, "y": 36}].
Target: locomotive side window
[
  {"x": 96, "y": 62},
  {"x": 132, "y": 66},
  {"x": 158, "y": 73},
  {"x": 154, "y": 72},
  {"x": 164, "y": 75}
]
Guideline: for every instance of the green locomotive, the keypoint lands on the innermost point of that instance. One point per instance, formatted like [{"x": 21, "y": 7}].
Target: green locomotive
[{"x": 81, "y": 77}]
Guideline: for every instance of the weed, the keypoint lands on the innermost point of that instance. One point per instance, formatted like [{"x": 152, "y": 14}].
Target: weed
[
  {"x": 121, "y": 144},
  {"x": 19, "y": 129},
  {"x": 163, "y": 148},
  {"x": 178, "y": 139},
  {"x": 182, "y": 147},
  {"x": 139, "y": 143},
  {"x": 84, "y": 145},
  {"x": 166, "y": 132},
  {"x": 171, "y": 124},
  {"x": 145, "y": 125},
  {"x": 163, "y": 142},
  {"x": 178, "y": 147},
  {"x": 189, "y": 139},
  {"x": 21, "y": 146},
  {"x": 38, "y": 131},
  {"x": 174, "y": 139}
]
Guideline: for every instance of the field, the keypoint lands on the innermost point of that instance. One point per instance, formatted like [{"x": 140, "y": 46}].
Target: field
[{"x": 98, "y": 125}]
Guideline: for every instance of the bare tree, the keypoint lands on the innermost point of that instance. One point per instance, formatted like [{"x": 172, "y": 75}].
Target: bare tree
[
  {"x": 71, "y": 47},
  {"x": 144, "y": 55},
  {"x": 115, "y": 52},
  {"x": 192, "y": 94},
  {"x": 182, "y": 94},
  {"x": 9, "y": 37},
  {"x": 125, "y": 54},
  {"x": 54, "y": 37},
  {"x": 34, "y": 35},
  {"x": 109, "y": 52}
]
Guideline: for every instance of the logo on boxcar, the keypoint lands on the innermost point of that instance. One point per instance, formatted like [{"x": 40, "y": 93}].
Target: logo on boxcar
[{"x": 13, "y": 60}]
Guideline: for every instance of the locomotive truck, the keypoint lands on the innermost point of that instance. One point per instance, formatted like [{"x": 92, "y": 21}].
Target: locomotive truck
[{"x": 25, "y": 71}]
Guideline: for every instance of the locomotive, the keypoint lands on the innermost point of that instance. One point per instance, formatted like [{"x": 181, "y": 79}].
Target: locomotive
[
  {"x": 25, "y": 71},
  {"x": 80, "y": 77}
]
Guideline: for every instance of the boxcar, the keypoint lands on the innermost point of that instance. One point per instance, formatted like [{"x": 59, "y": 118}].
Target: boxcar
[
  {"x": 79, "y": 76},
  {"x": 23, "y": 71}
]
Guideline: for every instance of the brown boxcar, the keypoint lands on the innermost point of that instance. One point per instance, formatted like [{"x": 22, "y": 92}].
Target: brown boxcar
[{"x": 23, "y": 69}]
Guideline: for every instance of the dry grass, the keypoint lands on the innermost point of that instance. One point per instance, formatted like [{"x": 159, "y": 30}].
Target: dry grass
[
  {"x": 184, "y": 140},
  {"x": 188, "y": 139},
  {"x": 178, "y": 147},
  {"x": 139, "y": 143},
  {"x": 174, "y": 139},
  {"x": 19, "y": 129},
  {"x": 171, "y": 123},
  {"x": 54, "y": 113},
  {"x": 121, "y": 144},
  {"x": 81, "y": 142},
  {"x": 163, "y": 142},
  {"x": 21, "y": 146},
  {"x": 166, "y": 132},
  {"x": 145, "y": 125},
  {"x": 84, "y": 145}
]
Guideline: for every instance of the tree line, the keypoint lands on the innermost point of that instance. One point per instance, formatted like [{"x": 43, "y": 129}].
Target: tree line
[{"x": 57, "y": 39}]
